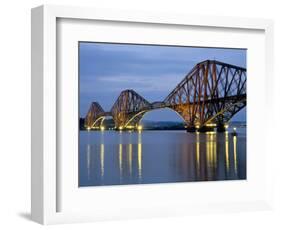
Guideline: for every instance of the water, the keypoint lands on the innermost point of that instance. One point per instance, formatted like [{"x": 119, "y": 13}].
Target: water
[{"x": 115, "y": 158}]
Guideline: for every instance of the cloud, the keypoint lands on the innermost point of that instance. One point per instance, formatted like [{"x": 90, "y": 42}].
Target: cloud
[
  {"x": 152, "y": 71},
  {"x": 161, "y": 83}
]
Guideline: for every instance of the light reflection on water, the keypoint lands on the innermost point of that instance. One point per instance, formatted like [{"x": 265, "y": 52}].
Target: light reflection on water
[{"x": 113, "y": 158}]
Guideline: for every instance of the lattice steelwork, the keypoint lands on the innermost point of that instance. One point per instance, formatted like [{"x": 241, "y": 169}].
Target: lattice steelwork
[
  {"x": 95, "y": 116},
  {"x": 129, "y": 109},
  {"x": 211, "y": 92}
]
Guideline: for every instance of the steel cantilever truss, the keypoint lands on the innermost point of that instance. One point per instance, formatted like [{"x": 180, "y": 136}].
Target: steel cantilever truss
[
  {"x": 95, "y": 116},
  {"x": 211, "y": 92},
  {"x": 129, "y": 109}
]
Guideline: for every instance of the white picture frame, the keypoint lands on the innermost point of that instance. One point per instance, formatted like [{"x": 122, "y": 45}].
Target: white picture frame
[{"x": 45, "y": 162}]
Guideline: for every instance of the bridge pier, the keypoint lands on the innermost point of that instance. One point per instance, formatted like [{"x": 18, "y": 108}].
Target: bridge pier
[
  {"x": 221, "y": 128},
  {"x": 203, "y": 129}
]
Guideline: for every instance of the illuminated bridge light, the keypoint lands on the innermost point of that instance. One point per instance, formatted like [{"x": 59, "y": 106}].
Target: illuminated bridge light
[
  {"x": 211, "y": 125},
  {"x": 102, "y": 128}
]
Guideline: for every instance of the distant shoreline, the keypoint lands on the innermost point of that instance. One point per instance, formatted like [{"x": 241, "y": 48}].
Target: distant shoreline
[
  {"x": 161, "y": 128},
  {"x": 158, "y": 125}
]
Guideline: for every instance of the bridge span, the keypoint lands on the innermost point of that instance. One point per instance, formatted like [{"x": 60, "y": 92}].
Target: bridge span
[{"x": 209, "y": 95}]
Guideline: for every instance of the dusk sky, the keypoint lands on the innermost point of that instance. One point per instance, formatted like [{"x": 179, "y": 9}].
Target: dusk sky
[{"x": 152, "y": 71}]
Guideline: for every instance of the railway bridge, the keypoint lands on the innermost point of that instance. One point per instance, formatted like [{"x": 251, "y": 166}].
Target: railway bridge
[{"x": 209, "y": 95}]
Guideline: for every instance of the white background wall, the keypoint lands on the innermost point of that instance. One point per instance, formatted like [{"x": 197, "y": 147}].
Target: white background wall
[{"x": 15, "y": 112}]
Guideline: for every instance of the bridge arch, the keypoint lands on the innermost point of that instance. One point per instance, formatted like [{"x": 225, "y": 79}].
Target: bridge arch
[
  {"x": 128, "y": 109},
  {"x": 211, "y": 92},
  {"x": 167, "y": 110},
  {"x": 94, "y": 115},
  {"x": 229, "y": 111}
]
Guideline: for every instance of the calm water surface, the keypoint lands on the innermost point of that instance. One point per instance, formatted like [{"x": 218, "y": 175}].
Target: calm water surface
[{"x": 114, "y": 158}]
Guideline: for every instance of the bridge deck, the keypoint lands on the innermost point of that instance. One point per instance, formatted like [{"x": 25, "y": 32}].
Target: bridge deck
[{"x": 161, "y": 105}]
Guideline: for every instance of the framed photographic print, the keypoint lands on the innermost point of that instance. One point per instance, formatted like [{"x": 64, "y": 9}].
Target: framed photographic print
[
  {"x": 187, "y": 133},
  {"x": 139, "y": 114}
]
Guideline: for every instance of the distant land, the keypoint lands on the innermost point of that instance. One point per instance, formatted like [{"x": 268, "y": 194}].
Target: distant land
[{"x": 159, "y": 125}]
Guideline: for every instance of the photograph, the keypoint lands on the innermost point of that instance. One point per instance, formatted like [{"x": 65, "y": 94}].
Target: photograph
[{"x": 153, "y": 113}]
